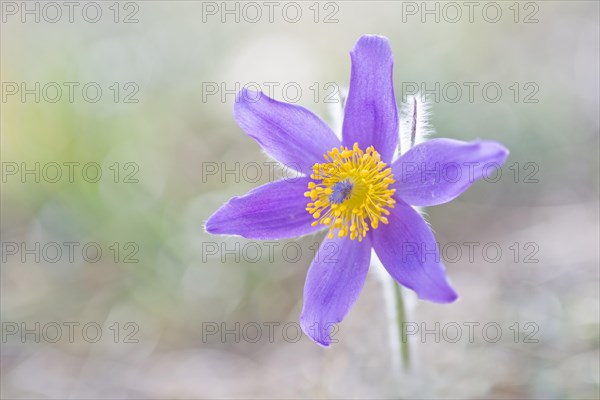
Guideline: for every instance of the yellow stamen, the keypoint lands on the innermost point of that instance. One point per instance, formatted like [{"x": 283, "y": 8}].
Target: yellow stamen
[{"x": 350, "y": 192}]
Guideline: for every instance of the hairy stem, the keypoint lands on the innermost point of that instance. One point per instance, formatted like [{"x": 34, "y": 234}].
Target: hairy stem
[{"x": 401, "y": 318}]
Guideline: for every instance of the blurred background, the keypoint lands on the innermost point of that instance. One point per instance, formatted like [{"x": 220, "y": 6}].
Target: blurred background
[{"x": 118, "y": 141}]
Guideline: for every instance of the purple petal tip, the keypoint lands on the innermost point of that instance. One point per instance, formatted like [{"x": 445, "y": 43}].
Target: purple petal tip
[
  {"x": 501, "y": 151},
  {"x": 449, "y": 295},
  {"x": 378, "y": 46}
]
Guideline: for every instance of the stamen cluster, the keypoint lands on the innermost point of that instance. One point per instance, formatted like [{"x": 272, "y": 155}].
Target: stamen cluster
[{"x": 350, "y": 191}]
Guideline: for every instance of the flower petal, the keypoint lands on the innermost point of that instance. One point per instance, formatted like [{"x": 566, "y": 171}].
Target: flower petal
[
  {"x": 333, "y": 284},
  {"x": 407, "y": 249},
  {"x": 290, "y": 134},
  {"x": 371, "y": 113},
  {"x": 276, "y": 210},
  {"x": 439, "y": 170}
]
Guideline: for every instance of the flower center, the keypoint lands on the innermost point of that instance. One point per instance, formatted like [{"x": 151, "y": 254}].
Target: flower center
[{"x": 350, "y": 191}]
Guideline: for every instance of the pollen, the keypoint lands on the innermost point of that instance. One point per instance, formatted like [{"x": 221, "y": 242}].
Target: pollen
[{"x": 350, "y": 192}]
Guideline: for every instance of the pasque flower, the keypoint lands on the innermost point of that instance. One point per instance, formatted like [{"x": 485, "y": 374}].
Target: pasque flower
[{"x": 354, "y": 188}]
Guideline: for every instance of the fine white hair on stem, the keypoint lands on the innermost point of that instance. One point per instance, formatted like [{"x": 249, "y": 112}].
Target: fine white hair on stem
[
  {"x": 391, "y": 310},
  {"x": 336, "y": 110},
  {"x": 387, "y": 286},
  {"x": 414, "y": 123}
]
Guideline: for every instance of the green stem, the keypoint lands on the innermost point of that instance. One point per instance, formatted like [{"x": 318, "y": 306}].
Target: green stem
[{"x": 401, "y": 317}]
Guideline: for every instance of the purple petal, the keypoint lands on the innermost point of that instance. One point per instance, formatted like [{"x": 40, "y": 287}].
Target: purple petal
[
  {"x": 439, "y": 170},
  {"x": 290, "y": 134},
  {"x": 276, "y": 210},
  {"x": 333, "y": 284},
  {"x": 371, "y": 114},
  {"x": 407, "y": 249}
]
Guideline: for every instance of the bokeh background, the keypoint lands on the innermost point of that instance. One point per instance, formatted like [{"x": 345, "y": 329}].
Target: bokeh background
[{"x": 167, "y": 131}]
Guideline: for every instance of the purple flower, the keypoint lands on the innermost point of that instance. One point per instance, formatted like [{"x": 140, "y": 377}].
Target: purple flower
[{"x": 355, "y": 191}]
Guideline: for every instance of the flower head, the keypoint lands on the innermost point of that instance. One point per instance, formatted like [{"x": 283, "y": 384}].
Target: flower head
[{"x": 354, "y": 188}]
